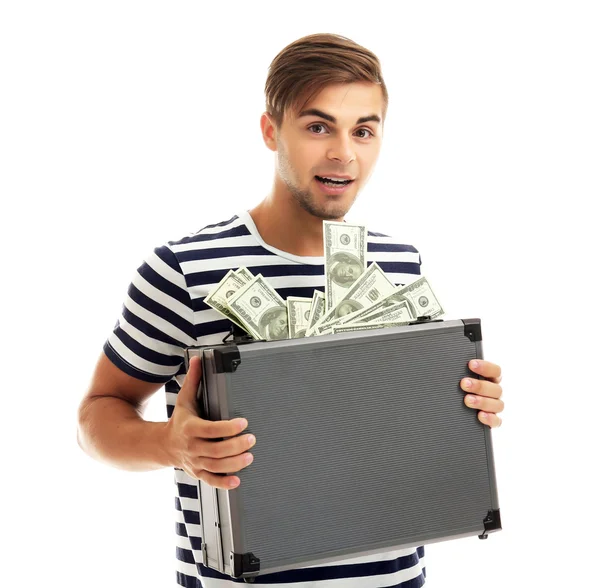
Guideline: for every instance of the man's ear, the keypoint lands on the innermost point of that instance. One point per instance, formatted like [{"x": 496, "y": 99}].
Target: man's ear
[{"x": 269, "y": 131}]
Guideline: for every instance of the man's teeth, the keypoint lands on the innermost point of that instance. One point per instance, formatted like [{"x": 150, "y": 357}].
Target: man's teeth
[{"x": 334, "y": 180}]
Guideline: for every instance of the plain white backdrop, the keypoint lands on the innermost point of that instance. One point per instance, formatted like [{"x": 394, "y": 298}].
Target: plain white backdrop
[{"x": 127, "y": 124}]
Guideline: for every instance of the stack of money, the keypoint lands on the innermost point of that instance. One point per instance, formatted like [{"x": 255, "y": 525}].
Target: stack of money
[{"x": 356, "y": 297}]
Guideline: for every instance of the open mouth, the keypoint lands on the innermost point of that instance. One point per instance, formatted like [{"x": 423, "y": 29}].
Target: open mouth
[{"x": 333, "y": 183}]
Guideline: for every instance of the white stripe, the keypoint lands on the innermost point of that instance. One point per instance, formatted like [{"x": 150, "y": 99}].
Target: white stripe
[
  {"x": 393, "y": 256},
  {"x": 182, "y": 477},
  {"x": 189, "y": 504},
  {"x": 139, "y": 363},
  {"x": 234, "y": 262},
  {"x": 158, "y": 322}
]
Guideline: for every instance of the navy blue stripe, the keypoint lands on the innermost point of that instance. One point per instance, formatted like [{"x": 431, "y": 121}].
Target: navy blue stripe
[
  {"x": 373, "y": 234},
  {"x": 129, "y": 369},
  {"x": 238, "y": 231},
  {"x": 161, "y": 311},
  {"x": 187, "y": 490},
  {"x": 185, "y": 555},
  {"x": 188, "y": 581},
  {"x": 164, "y": 285},
  {"x": 172, "y": 386},
  {"x": 421, "y": 552},
  {"x": 215, "y": 252},
  {"x": 145, "y": 353},
  {"x": 399, "y": 267},
  {"x": 390, "y": 248},
  {"x": 191, "y": 516},
  {"x": 170, "y": 410},
  {"x": 148, "y": 329},
  {"x": 180, "y": 530},
  {"x": 168, "y": 257}
]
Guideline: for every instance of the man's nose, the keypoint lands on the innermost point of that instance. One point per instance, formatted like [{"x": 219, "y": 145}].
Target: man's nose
[{"x": 342, "y": 150}]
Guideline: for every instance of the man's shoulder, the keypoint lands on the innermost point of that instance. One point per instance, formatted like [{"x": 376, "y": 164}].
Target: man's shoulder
[{"x": 232, "y": 227}]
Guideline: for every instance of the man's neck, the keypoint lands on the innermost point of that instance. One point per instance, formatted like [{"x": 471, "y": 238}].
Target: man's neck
[{"x": 287, "y": 226}]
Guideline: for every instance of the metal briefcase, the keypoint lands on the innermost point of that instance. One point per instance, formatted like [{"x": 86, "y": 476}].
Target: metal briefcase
[{"x": 363, "y": 445}]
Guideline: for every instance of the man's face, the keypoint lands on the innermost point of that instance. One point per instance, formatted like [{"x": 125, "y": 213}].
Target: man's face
[{"x": 329, "y": 138}]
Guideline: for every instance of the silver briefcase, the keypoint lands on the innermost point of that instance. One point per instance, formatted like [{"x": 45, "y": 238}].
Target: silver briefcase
[{"x": 363, "y": 445}]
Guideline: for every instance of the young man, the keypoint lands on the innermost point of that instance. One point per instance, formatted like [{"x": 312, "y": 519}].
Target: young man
[{"x": 326, "y": 105}]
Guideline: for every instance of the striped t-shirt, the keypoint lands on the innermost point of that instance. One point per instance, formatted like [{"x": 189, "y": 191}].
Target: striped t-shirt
[{"x": 164, "y": 312}]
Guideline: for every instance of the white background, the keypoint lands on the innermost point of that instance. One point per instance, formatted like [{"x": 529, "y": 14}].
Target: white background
[{"x": 126, "y": 124}]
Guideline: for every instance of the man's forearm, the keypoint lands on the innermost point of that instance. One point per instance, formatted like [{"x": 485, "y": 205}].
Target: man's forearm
[{"x": 112, "y": 431}]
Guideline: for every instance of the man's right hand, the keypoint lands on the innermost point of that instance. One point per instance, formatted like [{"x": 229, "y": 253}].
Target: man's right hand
[{"x": 191, "y": 439}]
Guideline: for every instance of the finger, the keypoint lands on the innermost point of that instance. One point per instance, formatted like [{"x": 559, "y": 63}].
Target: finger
[
  {"x": 187, "y": 395},
  {"x": 223, "y": 482},
  {"x": 487, "y": 369},
  {"x": 481, "y": 387},
  {"x": 224, "y": 466},
  {"x": 489, "y": 419},
  {"x": 220, "y": 449},
  {"x": 203, "y": 429},
  {"x": 490, "y": 405}
]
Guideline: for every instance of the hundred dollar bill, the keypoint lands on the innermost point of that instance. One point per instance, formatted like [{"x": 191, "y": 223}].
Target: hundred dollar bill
[
  {"x": 298, "y": 314},
  {"x": 366, "y": 327},
  {"x": 317, "y": 310},
  {"x": 245, "y": 274},
  {"x": 219, "y": 297},
  {"x": 411, "y": 293},
  {"x": 345, "y": 259},
  {"x": 399, "y": 312},
  {"x": 262, "y": 311},
  {"x": 372, "y": 286}
]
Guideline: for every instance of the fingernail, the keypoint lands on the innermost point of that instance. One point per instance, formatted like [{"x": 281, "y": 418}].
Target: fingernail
[
  {"x": 248, "y": 458},
  {"x": 484, "y": 415},
  {"x": 243, "y": 423},
  {"x": 467, "y": 383},
  {"x": 470, "y": 399},
  {"x": 475, "y": 364},
  {"x": 251, "y": 439},
  {"x": 233, "y": 483}
]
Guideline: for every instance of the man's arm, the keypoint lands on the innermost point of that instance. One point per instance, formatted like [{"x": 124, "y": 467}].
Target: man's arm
[
  {"x": 112, "y": 430},
  {"x": 111, "y": 427}
]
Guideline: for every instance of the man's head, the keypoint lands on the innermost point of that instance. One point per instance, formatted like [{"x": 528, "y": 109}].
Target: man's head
[{"x": 325, "y": 107}]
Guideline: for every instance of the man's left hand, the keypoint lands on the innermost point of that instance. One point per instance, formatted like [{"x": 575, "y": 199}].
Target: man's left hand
[{"x": 484, "y": 395}]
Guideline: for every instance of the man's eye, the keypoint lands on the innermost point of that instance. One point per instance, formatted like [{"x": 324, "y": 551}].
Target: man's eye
[
  {"x": 367, "y": 130},
  {"x": 317, "y": 125}
]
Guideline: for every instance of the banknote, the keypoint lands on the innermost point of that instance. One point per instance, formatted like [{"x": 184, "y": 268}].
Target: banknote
[
  {"x": 317, "y": 310},
  {"x": 371, "y": 287},
  {"x": 262, "y": 311},
  {"x": 405, "y": 293},
  {"x": 345, "y": 259},
  {"x": 366, "y": 327},
  {"x": 298, "y": 309},
  {"x": 218, "y": 298},
  {"x": 398, "y": 312},
  {"x": 245, "y": 274}
]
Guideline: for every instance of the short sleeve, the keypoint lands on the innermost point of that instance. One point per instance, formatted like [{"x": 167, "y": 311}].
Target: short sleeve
[{"x": 156, "y": 322}]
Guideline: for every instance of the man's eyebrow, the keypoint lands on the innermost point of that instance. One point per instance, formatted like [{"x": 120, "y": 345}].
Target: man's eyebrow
[{"x": 321, "y": 114}]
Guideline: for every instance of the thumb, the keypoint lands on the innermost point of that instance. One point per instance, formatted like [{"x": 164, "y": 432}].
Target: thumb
[{"x": 189, "y": 390}]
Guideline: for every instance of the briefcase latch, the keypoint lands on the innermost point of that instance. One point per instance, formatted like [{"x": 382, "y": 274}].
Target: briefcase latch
[
  {"x": 491, "y": 522},
  {"x": 245, "y": 565}
]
